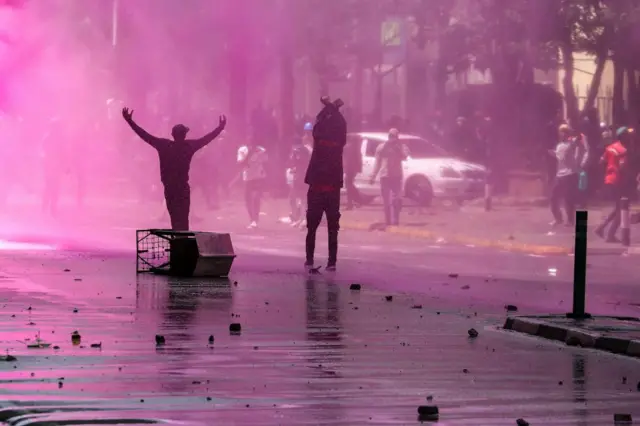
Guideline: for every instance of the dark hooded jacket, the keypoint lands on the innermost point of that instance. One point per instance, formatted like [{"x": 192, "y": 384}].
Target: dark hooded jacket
[{"x": 329, "y": 140}]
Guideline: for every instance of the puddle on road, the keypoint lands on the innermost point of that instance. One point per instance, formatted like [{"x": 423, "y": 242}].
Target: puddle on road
[{"x": 310, "y": 352}]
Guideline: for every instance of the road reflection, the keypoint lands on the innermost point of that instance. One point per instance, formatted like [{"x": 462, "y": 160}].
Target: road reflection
[{"x": 326, "y": 348}]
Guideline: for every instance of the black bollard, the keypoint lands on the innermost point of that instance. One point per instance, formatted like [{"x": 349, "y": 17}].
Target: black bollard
[
  {"x": 580, "y": 267},
  {"x": 625, "y": 222}
]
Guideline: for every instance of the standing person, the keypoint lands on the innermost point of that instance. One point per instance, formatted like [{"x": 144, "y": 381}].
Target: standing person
[
  {"x": 614, "y": 158},
  {"x": 253, "y": 161},
  {"x": 352, "y": 168},
  {"x": 299, "y": 161},
  {"x": 572, "y": 156},
  {"x": 175, "y": 162},
  {"x": 325, "y": 179},
  {"x": 389, "y": 158}
]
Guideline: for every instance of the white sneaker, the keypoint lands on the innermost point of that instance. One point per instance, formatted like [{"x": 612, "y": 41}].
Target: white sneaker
[
  {"x": 252, "y": 225},
  {"x": 286, "y": 220}
]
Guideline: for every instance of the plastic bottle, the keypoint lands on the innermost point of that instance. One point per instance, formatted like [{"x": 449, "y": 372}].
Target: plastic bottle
[{"x": 582, "y": 181}]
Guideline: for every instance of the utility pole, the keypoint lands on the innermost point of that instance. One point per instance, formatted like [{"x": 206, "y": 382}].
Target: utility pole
[{"x": 114, "y": 22}]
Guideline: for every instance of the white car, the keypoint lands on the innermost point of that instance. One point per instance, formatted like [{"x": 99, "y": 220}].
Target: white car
[{"x": 429, "y": 172}]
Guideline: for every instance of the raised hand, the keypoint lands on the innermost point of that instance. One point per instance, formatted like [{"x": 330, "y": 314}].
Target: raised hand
[
  {"x": 127, "y": 113},
  {"x": 223, "y": 121}
]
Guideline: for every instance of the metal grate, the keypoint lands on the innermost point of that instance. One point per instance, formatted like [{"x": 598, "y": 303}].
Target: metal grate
[{"x": 153, "y": 249}]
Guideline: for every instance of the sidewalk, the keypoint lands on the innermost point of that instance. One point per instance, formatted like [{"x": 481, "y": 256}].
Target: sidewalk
[
  {"x": 512, "y": 228},
  {"x": 611, "y": 334},
  {"x": 508, "y": 227}
]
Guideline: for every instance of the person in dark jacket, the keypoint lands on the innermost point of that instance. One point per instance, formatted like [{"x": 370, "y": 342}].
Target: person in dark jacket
[
  {"x": 325, "y": 179},
  {"x": 175, "y": 162}
]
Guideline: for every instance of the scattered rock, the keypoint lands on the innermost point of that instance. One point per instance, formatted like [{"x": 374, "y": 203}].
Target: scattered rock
[
  {"x": 118, "y": 297},
  {"x": 522, "y": 422},
  {"x": 76, "y": 338},
  {"x": 78, "y": 279},
  {"x": 29, "y": 308},
  {"x": 56, "y": 347},
  {"x": 511, "y": 308},
  {"x": 465, "y": 371},
  {"x": 473, "y": 333},
  {"x": 428, "y": 413},
  {"x": 8, "y": 358},
  {"x": 60, "y": 385},
  {"x": 75, "y": 310},
  {"x": 235, "y": 283},
  {"x": 96, "y": 345},
  {"x": 453, "y": 275},
  {"x": 196, "y": 382},
  {"x": 160, "y": 340},
  {"x": 67, "y": 270},
  {"x": 355, "y": 287},
  {"x": 560, "y": 383},
  {"x": 573, "y": 341},
  {"x": 430, "y": 398},
  {"x": 416, "y": 307},
  {"x": 388, "y": 298},
  {"x": 235, "y": 328},
  {"x": 465, "y": 287},
  {"x": 208, "y": 398},
  {"x": 624, "y": 380},
  {"x": 211, "y": 339},
  {"x": 638, "y": 387},
  {"x": 622, "y": 418}
]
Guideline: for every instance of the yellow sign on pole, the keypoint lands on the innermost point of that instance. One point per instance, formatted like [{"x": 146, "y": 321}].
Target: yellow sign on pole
[{"x": 391, "y": 33}]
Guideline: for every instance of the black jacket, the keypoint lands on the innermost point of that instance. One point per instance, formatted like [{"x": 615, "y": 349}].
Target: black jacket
[{"x": 329, "y": 140}]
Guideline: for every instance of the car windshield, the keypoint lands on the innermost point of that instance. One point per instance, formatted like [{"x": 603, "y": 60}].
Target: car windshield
[{"x": 420, "y": 148}]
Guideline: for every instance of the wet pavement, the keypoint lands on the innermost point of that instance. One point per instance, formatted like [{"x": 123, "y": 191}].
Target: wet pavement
[{"x": 311, "y": 351}]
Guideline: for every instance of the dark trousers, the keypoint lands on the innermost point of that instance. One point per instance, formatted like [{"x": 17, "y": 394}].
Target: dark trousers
[
  {"x": 564, "y": 191},
  {"x": 613, "y": 194},
  {"x": 178, "y": 198},
  {"x": 319, "y": 203},
  {"x": 253, "y": 190},
  {"x": 353, "y": 195},
  {"x": 297, "y": 200},
  {"x": 391, "y": 190}
]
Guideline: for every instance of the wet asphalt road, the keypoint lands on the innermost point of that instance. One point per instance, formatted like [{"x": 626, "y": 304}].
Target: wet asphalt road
[{"x": 311, "y": 351}]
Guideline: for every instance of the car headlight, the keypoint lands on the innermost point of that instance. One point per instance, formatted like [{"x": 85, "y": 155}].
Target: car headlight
[{"x": 448, "y": 172}]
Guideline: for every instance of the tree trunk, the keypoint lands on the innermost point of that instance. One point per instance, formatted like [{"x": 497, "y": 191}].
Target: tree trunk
[
  {"x": 377, "y": 114},
  {"x": 358, "y": 84},
  {"x": 619, "y": 113},
  {"x": 632, "y": 94},
  {"x": 287, "y": 86},
  {"x": 570, "y": 98},
  {"x": 238, "y": 63},
  {"x": 594, "y": 88}
]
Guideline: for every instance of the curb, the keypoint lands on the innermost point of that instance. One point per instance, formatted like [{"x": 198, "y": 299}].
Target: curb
[
  {"x": 478, "y": 242},
  {"x": 571, "y": 336}
]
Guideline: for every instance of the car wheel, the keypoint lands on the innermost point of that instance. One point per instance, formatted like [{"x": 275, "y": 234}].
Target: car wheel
[{"x": 419, "y": 190}]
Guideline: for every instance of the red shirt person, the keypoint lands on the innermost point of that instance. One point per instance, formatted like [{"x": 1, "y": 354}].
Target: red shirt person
[{"x": 615, "y": 159}]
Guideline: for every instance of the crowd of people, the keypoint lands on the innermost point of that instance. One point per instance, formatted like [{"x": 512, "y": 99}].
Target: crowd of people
[
  {"x": 586, "y": 172},
  {"x": 320, "y": 156}
]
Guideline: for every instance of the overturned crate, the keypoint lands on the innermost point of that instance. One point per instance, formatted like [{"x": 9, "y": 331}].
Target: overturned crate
[{"x": 184, "y": 253}]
